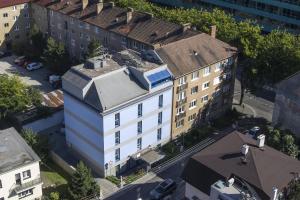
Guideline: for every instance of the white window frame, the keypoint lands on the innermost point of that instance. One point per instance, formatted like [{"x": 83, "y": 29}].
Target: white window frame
[
  {"x": 15, "y": 18},
  {"x": 159, "y": 133},
  {"x": 196, "y": 90},
  {"x": 139, "y": 144},
  {"x": 180, "y": 110},
  {"x": 195, "y": 75},
  {"x": 180, "y": 123},
  {"x": 14, "y": 8},
  {"x": 206, "y": 71},
  {"x": 203, "y": 98},
  {"x": 181, "y": 81},
  {"x": 117, "y": 138},
  {"x": 73, "y": 42},
  {"x": 17, "y": 28},
  {"x": 217, "y": 80},
  {"x": 117, "y": 154},
  {"x": 26, "y": 174},
  {"x": 181, "y": 95},
  {"x": 218, "y": 67},
  {"x": 204, "y": 87},
  {"x": 193, "y": 104}
]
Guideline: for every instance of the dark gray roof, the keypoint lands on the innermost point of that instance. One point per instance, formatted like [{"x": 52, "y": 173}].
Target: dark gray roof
[
  {"x": 113, "y": 89},
  {"x": 14, "y": 151},
  {"x": 264, "y": 170},
  {"x": 293, "y": 85},
  {"x": 181, "y": 58}
]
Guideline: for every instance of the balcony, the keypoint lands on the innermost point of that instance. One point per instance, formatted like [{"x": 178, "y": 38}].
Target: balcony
[
  {"x": 181, "y": 102},
  {"x": 181, "y": 87},
  {"x": 27, "y": 185},
  {"x": 180, "y": 116}
]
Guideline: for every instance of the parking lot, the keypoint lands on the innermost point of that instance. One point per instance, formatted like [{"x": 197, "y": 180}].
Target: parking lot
[{"x": 36, "y": 78}]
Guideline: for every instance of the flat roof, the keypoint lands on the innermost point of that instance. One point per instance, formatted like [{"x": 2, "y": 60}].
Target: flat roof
[{"x": 14, "y": 151}]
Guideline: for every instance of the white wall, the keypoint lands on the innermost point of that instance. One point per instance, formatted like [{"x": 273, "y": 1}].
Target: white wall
[
  {"x": 8, "y": 182},
  {"x": 191, "y": 191}
]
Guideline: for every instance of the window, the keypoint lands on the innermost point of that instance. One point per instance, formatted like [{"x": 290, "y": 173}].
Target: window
[
  {"x": 179, "y": 123},
  {"x": 14, "y": 8},
  {"x": 230, "y": 61},
  {"x": 159, "y": 118},
  {"x": 59, "y": 26},
  {"x": 6, "y": 24},
  {"x": 5, "y": 15},
  {"x": 181, "y": 95},
  {"x": 26, "y": 15},
  {"x": 193, "y": 104},
  {"x": 80, "y": 35},
  {"x": 192, "y": 117},
  {"x": 88, "y": 38},
  {"x": 15, "y": 18},
  {"x": 87, "y": 26},
  {"x": 205, "y": 85},
  {"x": 182, "y": 80},
  {"x": 194, "y": 90},
  {"x": 140, "y": 110},
  {"x": 6, "y": 35},
  {"x": 117, "y": 119},
  {"x": 26, "y": 5},
  {"x": 59, "y": 36},
  {"x": 159, "y": 134},
  {"x": 97, "y": 30},
  {"x": 26, "y": 174},
  {"x": 139, "y": 144},
  {"x": 28, "y": 25},
  {"x": 216, "y": 93},
  {"x": 180, "y": 110},
  {"x": 226, "y": 88},
  {"x": 217, "y": 80},
  {"x": 51, "y": 12},
  {"x": 16, "y": 28},
  {"x": 140, "y": 127},
  {"x": 134, "y": 44},
  {"x": 195, "y": 75},
  {"x": 117, "y": 137},
  {"x": 117, "y": 154},
  {"x": 124, "y": 40},
  {"x": 80, "y": 24},
  {"x": 204, "y": 99},
  {"x": 81, "y": 46},
  {"x": 72, "y": 42},
  {"x": 206, "y": 71},
  {"x": 218, "y": 67},
  {"x": 25, "y": 193},
  {"x": 160, "y": 101}
]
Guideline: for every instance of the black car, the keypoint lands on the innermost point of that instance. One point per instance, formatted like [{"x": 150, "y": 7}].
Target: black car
[
  {"x": 4, "y": 54},
  {"x": 164, "y": 189}
]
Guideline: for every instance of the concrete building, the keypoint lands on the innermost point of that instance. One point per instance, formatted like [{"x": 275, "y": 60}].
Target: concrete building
[
  {"x": 239, "y": 167},
  {"x": 14, "y": 23},
  {"x": 270, "y": 14},
  {"x": 19, "y": 168},
  {"x": 116, "y": 109},
  {"x": 286, "y": 113},
  {"x": 204, "y": 74}
]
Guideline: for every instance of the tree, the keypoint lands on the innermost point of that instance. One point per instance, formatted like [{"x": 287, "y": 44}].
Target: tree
[
  {"x": 37, "y": 43},
  {"x": 54, "y": 196},
  {"x": 288, "y": 146},
  {"x": 94, "y": 49},
  {"x": 82, "y": 183},
  {"x": 56, "y": 56},
  {"x": 37, "y": 142},
  {"x": 15, "y": 96}
]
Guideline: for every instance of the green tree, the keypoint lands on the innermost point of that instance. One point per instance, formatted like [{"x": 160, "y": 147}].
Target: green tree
[
  {"x": 54, "y": 196},
  {"x": 37, "y": 142},
  {"x": 56, "y": 56},
  {"x": 15, "y": 96},
  {"x": 288, "y": 146},
  {"x": 37, "y": 43},
  {"x": 82, "y": 183},
  {"x": 94, "y": 49}
]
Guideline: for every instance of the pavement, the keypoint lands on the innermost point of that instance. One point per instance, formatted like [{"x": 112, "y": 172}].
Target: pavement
[{"x": 36, "y": 78}]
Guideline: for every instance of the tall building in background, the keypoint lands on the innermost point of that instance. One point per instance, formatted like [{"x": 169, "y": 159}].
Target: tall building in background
[{"x": 271, "y": 14}]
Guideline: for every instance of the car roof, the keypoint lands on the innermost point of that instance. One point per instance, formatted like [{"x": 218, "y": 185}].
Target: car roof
[{"x": 166, "y": 183}]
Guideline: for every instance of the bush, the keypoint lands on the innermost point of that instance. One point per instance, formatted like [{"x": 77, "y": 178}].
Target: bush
[{"x": 115, "y": 180}]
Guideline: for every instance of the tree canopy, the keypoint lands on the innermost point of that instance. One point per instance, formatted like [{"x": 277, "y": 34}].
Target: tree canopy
[{"x": 94, "y": 49}]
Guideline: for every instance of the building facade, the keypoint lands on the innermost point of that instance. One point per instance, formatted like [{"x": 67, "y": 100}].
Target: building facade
[
  {"x": 14, "y": 22},
  {"x": 270, "y": 14},
  {"x": 19, "y": 168},
  {"x": 286, "y": 113},
  {"x": 114, "y": 114}
]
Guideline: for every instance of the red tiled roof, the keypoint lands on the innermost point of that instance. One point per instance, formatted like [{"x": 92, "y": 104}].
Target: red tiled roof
[{"x": 7, "y": 3}]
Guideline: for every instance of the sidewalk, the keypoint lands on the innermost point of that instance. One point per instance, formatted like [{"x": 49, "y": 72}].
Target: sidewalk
[{"x": 246, "y": 109}]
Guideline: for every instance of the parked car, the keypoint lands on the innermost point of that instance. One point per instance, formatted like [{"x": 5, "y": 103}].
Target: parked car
[
  {"x": 54, "y": 78},
  {"x": 34, "y": 66},
  {"x": 164, "y": 189},
  {"x": 20, "y": 60},
  {"x": 5, "y": 54}
]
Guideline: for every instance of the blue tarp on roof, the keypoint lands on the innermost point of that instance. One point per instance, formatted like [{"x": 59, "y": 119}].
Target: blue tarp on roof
[{"x": 159, "y": 77}]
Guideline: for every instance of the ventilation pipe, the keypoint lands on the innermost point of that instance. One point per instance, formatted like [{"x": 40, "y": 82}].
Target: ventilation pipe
[{"x": 213, "y": 31}]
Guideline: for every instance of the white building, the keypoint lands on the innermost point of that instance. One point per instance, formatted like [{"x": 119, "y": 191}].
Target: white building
[
  {"x": 116, "y": 109},
  {"x": 19, "y": 168}
]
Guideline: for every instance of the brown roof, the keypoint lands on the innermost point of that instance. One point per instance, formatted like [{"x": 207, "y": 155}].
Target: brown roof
[
  {"x": 142, "y": 27},
  {"x": 190, "y": 54},
  {"x": 54, "y": 99},
  {"x": 264, "y": 169},
  {"x": 7, "y": 3}
]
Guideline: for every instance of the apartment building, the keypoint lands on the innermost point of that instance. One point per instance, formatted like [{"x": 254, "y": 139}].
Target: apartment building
[
  {"x": 19, "y": 168},
  {"x": 76, "y": 23},
  {"x": 204, "y": 74},
  {"x": 270, "y": 14},
  {"x": 117, "y": 108},
  {"x": 286, "y": 113},
  {"x": 239, "y": 167},
  {"x": 14, "y": 22}
]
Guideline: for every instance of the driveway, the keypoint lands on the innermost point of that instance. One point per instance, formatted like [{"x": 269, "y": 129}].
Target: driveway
[{"x": 37, "y": 78}]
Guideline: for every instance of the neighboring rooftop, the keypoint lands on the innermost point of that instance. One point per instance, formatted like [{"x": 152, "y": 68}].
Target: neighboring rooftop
[
  {"x": 53, "y": 99},
  {"x": 14, "y": 151},
  {"x": 190, "y": 54},
  {"x": 293, "y": 83},
  {"x": 142, "y": 27},
  {"x": 265, "y": 167},
  {"x": 7, "y": 3}
]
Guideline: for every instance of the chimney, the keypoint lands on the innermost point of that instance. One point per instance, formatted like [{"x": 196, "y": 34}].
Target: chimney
[
  {"x": 99, "y": 6},
  {"x": 186, "y": 27},
  {"x": 84, "y": 4},
  {"x": 213, "y": 31},
  {"x": 274, "y": 193},
  {"x": 129, "y": 15},
  {"x": 245, "y": 149},
  {"x": 261, "y": 140},
  {"x": 111, "y": 4}
]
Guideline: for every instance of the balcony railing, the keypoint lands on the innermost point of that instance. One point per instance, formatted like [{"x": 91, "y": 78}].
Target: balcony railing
[
  {"x": 180, "y": 116},
  {"x": 26, "y": 185},
  {"x": 180, "y": 102},
  {"x": 181, "y": 87}
]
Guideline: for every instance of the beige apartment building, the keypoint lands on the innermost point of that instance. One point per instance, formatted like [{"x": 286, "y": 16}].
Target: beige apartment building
[{"x": 14, "y": 22}]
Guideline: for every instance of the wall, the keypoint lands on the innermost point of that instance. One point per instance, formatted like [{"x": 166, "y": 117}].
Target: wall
[
  {"x": 45, "y": 123},
  {"x": 63, "y": 164},
  {"x": 191, "y": 191},
  {"x": 8, "y": 181},
  {"x": 40, "y": 17}
]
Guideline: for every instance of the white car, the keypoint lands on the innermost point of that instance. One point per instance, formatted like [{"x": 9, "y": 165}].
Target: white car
[{"x": 34, "y": 66}]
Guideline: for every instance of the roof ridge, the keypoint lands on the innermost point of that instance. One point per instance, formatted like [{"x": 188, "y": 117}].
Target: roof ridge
[{"x": 256, "y": 169}]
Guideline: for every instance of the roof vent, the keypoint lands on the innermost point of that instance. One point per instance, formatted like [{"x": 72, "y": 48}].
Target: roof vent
[
  {"x": 261, "y": 140},
  {"x": 99, "y": 6},
  {"x": 195, "y": 53},
  {"x": 129, "y": 15},
  {"x": 245, "y": 149},
  {"x": 95, "y": 63},
  {"x": 186, "y": 26},
  {"x": 213, "y": 31},
  {"x": 230, "y": 182}
]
